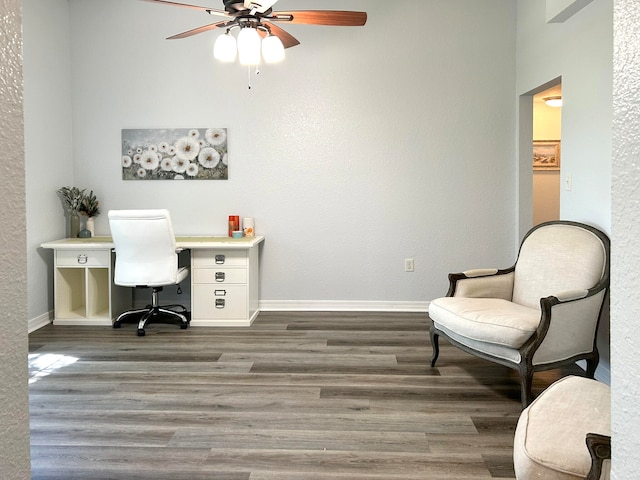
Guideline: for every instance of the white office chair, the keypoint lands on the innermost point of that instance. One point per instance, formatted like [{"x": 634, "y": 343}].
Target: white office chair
[{"x": 146, "y": 256}]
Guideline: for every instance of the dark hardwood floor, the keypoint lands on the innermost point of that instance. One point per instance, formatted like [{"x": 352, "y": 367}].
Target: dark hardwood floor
[{"x": 295, "y": 396}]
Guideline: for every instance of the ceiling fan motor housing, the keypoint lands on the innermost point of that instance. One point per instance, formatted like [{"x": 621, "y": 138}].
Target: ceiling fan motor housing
[{"x": 235, "y": 6}]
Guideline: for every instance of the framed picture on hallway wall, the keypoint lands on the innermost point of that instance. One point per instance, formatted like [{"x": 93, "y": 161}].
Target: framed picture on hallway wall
[{"x": 546, "y": 155}]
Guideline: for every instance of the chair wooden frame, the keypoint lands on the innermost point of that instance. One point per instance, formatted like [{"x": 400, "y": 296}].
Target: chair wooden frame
[
  {"x": 525, "y": 367},
  {"x": 600, "y": 450}
]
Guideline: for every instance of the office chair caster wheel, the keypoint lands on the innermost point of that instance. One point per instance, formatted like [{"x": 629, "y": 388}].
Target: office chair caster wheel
[
  {"x": 141, "y": 332},
  {"x": 117, "y": 324}
]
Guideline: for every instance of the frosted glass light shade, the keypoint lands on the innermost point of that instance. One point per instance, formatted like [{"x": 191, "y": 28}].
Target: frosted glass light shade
[
  {"x": 225, "y": 48},
  {"x": 272, "y": 49},
  {"x": 555, "y": 101},
  {"x": 249, "y": 46}
]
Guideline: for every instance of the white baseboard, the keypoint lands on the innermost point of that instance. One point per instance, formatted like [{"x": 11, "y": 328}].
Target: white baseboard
[
  {"x": 290, "y": 306},
  {"x": 40, "y": 321},
  {"x": 341, "y": 306}
]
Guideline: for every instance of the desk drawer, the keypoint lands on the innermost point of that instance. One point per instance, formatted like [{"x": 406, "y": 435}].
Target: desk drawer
[
  {"x": 219, "y": 302},
  {"x": 219, "y": 258},
  {"x": 219, "y": 275},
  {"x": 83, "y": 258}
]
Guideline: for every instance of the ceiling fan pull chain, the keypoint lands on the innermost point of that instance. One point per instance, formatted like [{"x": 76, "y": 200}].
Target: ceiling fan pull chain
[{"x": 249, "y": 74}]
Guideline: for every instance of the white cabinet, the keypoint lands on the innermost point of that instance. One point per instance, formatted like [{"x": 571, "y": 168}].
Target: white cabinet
[
  {"x": 224, "y": 281},
  {"x": 224, "y": 290},
  {"x": 83, "y": 291}
]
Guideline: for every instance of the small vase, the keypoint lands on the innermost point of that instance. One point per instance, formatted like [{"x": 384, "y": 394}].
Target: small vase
[
  {"x": 74, "y": 225},
  {"x": 91, "y": 226}
]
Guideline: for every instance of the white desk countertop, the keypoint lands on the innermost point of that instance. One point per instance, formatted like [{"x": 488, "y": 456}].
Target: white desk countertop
[{"x": 191, "y": 241}]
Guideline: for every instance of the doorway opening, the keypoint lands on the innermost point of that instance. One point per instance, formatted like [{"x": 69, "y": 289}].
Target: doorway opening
[{"x": 547, "y": 148}]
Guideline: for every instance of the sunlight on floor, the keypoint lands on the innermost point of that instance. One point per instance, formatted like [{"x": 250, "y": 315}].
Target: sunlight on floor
[{"x": 41, "y": 365}]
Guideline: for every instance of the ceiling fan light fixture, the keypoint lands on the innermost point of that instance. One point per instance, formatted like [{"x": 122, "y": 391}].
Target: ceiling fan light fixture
[
  {"x": 272, "y": 49},
  {"x": 554, "y": 101},
  {"x": 225, "y": 48},
  {"x": 249, "y": 46}
]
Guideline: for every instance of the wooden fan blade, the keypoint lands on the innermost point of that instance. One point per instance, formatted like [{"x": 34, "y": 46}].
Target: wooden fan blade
[
  {"x": 340, "y": 18},
  {"x": 212, "y": 11},
  {"x": 286, "y": 38},
  {"x": 204, "y": 28}
]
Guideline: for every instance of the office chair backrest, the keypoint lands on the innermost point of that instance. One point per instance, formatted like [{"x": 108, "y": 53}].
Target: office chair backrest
[
  {"x": 145, "y": 247},
  {"x": 556, "y": 258}
]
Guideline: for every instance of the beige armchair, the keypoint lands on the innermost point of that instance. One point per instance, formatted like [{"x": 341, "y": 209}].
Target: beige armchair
[{"x": 539, "y": 314}]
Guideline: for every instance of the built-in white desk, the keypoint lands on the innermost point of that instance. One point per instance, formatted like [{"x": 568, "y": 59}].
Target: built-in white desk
[{"x": 224, "y": 280}]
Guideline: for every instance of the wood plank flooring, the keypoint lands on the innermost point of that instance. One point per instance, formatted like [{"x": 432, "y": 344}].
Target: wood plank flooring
[{"x": 314, "y": 396}]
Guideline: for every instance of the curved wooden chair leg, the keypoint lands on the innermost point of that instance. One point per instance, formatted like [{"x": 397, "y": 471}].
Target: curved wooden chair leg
[
  {"x": 435, "y": 345},
  {"x": 600, "y": 450},
  {"x": 526, "y": 381},
  {"x": 592, "y": 364}
]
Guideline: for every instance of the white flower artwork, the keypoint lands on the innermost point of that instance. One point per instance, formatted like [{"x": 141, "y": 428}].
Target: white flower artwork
[{"x": 175, "y": 154}]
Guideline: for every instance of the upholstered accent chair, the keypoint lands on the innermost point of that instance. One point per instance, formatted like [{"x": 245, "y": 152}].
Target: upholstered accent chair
[{"x": 539, "y": 314}]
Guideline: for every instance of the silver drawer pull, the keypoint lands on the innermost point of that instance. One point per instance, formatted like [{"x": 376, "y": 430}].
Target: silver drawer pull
[
  {"x": 220, "y": 276},
  {"x": 220, "y": 259},
  {"x": 82, "y": 259},
  {"x": 220, "y": 293},
  {"x": 220, "y": 302}
]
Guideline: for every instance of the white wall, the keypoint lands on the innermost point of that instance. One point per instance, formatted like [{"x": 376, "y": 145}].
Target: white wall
[
  {"x": 561, "y": 10},
  {"x": 625, "y": 304},
  {"x": 14, "y": 414},
  {"x": 366, "y": 146},
  {"x": 48, "y": 139}
]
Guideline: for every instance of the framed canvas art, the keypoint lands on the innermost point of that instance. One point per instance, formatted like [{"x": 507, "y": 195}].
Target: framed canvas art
[{"x": 175, "y": 154}]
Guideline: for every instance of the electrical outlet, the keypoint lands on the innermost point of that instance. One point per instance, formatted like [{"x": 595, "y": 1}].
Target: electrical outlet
[{"x": 408, "y": 264}]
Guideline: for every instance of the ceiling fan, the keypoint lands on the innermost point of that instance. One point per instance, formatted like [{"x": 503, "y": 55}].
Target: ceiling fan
[{"x": 259, "y": 15}]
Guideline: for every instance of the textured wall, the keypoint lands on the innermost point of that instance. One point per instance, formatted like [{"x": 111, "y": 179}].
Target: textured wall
[
  {"x": 352, "y": 155},
  {"x": 625, "y": 276},
  {"x": 48, "y": 137},
  {"x": 14, "y": 414},
  {"x": 365, "y": 147}
]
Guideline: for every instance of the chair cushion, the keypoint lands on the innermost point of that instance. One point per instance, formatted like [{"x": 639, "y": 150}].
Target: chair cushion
[
  {"x": 550, "y": 437},
  {"x": 491, "y": 320}
]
